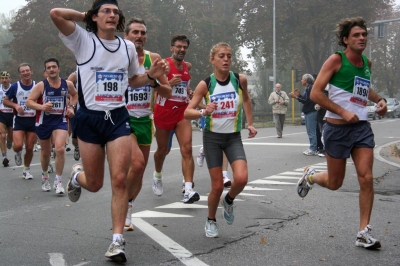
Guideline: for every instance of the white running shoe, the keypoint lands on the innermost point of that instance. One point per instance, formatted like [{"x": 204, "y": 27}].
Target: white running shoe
[
  {"x": 59, "y": 188},
  {"x": 303, "y": 185},
  {"x": 50, "y": 168},
  {"x": 365, "y": 239},
  {"x": 211, "y": 228},
  {"x": 35, "y": 148},
  {"x": 157, "y": 184},
  {"x": 200, "y": 157},
  {"x": 74, "y": 192},
  {"x": 27, "y": 175},
  {"x": 191, "y": 196},
  {"x": 227, "y": 210},
  {"x": 128, "y": 219},
  {"x": 46, "y": 187},
  {"x": 116, "y": 251},
  {"x": 77, "y": 155},
  {"x": 18, "y": 159}
]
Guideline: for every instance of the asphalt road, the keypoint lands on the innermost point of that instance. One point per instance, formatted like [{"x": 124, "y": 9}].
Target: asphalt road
[{"x": 273, "y": 226}]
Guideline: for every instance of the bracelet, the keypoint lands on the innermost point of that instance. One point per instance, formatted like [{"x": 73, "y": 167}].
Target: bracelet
[
  {"x": 73, "y": 106},
  {"x": 381, "y": 100},
  {"x": 150, "y": 78},
  {"x": 202, "y": 112}
]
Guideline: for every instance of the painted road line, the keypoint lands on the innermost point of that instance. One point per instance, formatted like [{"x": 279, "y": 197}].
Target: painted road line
[
  {"x": 181, "y": 205},
  {"x": 57, "y": 259},
  {"x": 250, "y": 195},
  {"x": 270, "y": 182},
  {"x": 259, "y": 188},
  {"x": 181, "y": 253},
  {"x": 284, "y": 177},
  {"x": 153, "y": 214},
  {"x": 290, "y": 173},
  {"x": 277, "y": 144}
]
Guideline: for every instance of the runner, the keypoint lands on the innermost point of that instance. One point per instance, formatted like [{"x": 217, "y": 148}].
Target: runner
[
  {"x": 24, "y": 120},
  {"x": 225, "y": 94},
  {"x": 6, "y": 118},
  {"x": 106, "y": 65},
  {"x": 168, "y": 116},
  {"x": 140, "y": 107},
  {"x": 49, "y": 99}
]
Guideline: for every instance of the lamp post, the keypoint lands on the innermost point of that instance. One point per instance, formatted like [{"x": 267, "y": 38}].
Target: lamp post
[{"x": 274, "y": 48}]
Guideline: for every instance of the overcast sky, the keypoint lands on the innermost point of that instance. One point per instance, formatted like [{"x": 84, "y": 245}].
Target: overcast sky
[{"x": 8, "y": 5}]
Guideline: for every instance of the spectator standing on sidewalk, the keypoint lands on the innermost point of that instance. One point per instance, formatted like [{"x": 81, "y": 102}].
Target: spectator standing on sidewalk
[
  {"x": 309, "y": 111},
  {"x": 279, "y": 101}
]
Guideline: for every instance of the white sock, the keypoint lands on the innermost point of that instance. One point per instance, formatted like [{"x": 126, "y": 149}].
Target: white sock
[
  {"x": 58, "y": 178},
  {"x": 225, "y": 174},
  {"x": 117, "y": 237},
  {"x": 188, "y": 186}
]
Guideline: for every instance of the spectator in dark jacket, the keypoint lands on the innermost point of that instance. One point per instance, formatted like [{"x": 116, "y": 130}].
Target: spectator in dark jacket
[{"x": 309, "y": 111}]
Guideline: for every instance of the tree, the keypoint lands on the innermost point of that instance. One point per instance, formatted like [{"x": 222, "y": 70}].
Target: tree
[{"x": 5, "y": 37}]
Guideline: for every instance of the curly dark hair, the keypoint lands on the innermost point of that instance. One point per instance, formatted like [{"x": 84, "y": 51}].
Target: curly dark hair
[
  {"x": 91, "y": 26},
  {"x": 344, "y": 27}
]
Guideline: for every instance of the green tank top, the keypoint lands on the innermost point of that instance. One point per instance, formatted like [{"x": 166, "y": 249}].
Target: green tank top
[{"x": 344, "y": 78}]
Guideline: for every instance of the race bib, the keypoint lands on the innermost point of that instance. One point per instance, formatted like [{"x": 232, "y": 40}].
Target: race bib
[
  {"x": 58, "y": 104},
  {"x": 226, "y": 105},
  {"x": 5, "y": 109},
  {"x": 109, "y": 87},
  {"x": 27, "y": 111},
  {"x": 360, "y": 91},
  {"x": 179, "y": 92},
  {"x": 139, "y": 98}
]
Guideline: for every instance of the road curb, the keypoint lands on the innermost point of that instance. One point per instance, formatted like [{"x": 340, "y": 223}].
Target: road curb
[{"x": 378, "y": 156}]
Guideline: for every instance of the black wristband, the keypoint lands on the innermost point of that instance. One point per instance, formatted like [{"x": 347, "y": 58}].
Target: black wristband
[
  {"x": 381, "y": 100},
  {"x": 150, "y": 78}
]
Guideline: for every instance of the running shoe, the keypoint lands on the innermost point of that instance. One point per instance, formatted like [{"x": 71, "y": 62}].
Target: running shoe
[
  {"x": 77, "y": 155},
  {"x": 128, "y": 219},
  {"x": 157, "y": 184},
  {"x": 310, "y": 153},
  {"x": 27, "y": 175},
  {"x": 18, "y": 159},
  {"x": 227, "y": 211},
  {"x": 200, "y": 157},
  {"x": 67, "y": 148},
  {"x": 5, "y": 161},
  {"x": 227, "y": 182},
  {"x": 35, "y": 148},
  {"x": 74, "y": 192},
  {"x": 211, "y": 228},
  {"x": 116, "y": 251},
  {"x": 190, "y": 196},
  {"x": 303, "y": 185},
  {"x": 365, "y": 239},
  {"x": 50, "y": 168},
  {"x": 9, "y": 144},
  {"x": 321, "y": 153},
  {"x": 59, "y": 188}
]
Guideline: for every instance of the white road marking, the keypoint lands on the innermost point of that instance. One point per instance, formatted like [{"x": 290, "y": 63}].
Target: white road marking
[
  {"x": 251, "y": 195},
  {"x": 57, "y": 259},
  {"x": 284, "y": 177},
  {"x": 180, "y": 205},
  {"x": 290, "y": 173},
  {"x": 153, "y": 214},
  {"x": 259, "y": 188},
  {"x": 277, "y": 144},
  {"x": 184, "y": 255},
  {"x": 270, "y": 182}
]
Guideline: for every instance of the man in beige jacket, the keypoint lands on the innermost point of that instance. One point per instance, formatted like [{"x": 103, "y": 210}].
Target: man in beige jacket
[{"x": 279, "y": 101}]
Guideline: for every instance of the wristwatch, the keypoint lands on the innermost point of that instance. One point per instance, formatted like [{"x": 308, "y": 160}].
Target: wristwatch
[{"x": 156, "y": 83}]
